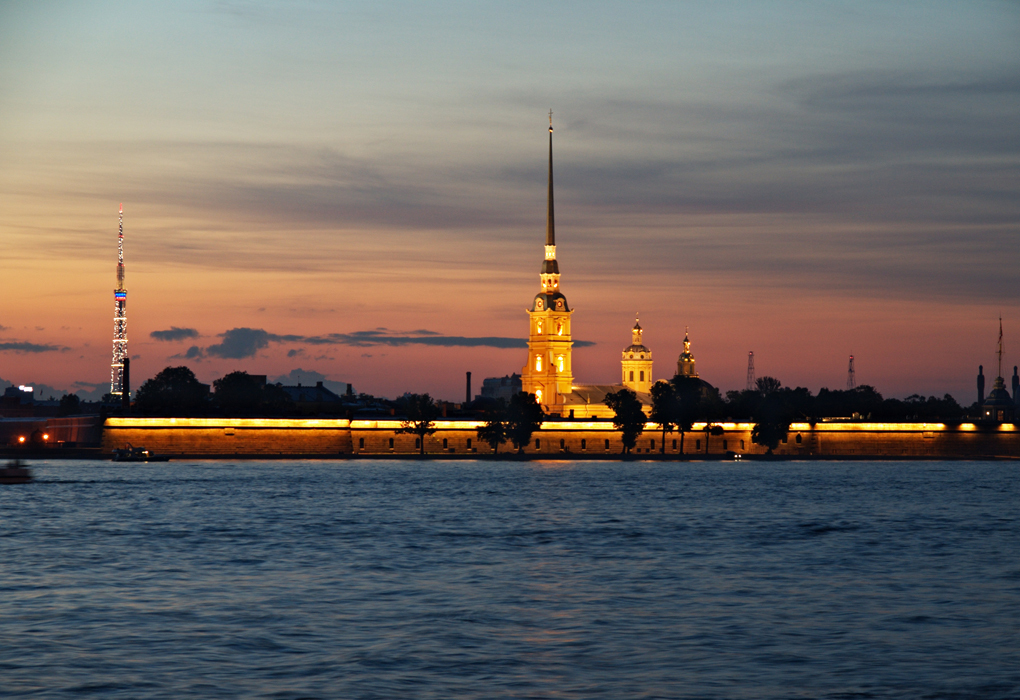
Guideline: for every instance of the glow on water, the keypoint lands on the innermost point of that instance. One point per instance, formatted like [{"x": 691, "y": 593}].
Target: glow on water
[{"x": 485, "y": 579}]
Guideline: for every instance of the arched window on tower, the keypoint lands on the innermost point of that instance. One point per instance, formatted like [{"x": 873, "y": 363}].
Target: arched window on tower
[
  {"x": 559, "y": 328},
  {"x": 538, "y": 363},
  {"x": 559, "y": 363},
  {"x": 539, "y": 324},
  {"x": 538, "y": 395}
]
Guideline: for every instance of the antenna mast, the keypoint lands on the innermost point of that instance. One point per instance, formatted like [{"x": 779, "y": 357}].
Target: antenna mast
[
  {"x": 750, "y": 371},
  {"x": 1000, "y": 347},
  {"x": 119, "y": 319},
  {"x": 851, "y": 377}
]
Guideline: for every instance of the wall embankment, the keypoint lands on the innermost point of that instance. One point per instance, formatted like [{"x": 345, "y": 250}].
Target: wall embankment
[{"x": 269, "y": 437}]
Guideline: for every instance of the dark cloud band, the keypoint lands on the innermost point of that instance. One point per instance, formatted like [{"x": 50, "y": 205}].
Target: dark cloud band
[
  {"x": 174, "y": 334},
  {"x": 239, "y": 343}
]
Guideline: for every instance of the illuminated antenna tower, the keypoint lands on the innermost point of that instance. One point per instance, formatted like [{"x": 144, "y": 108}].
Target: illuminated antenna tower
[
  {"x": 851, "y": 377},
  {"x": 750, "y": 371},
  {"x": 119, "y": 319}
]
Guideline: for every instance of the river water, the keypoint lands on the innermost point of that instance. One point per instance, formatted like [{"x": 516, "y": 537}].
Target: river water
[{"x": 404, "y": 579}]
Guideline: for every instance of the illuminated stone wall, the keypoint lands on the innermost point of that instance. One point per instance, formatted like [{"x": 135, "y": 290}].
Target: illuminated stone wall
[
  {"x": 268, "y": 437},
  {"x": 229, "y": 436}
]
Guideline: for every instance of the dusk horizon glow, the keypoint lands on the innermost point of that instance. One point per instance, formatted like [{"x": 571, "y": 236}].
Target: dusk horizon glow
[{"x": 358, "y": 191}]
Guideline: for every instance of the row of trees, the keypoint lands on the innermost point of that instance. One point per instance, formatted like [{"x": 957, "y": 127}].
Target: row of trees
[
  {"x": 177, "y": 392},
  {"x": 678, "y": 404},
  {"x": 513, "y": 422}
]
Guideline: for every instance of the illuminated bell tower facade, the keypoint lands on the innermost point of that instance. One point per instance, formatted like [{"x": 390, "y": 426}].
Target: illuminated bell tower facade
[
  {"x": 119, "y": 319},
  {"x": 685, "y": 363},
  {"x": 548, "y": 373},
  {"x": 637, "y": 363}
]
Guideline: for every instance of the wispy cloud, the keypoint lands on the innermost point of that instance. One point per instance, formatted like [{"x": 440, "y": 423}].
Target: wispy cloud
[
  {"x": 24, "y": 347},
  {"x": 240, "y": 343},
  {"x": 174, "y": 334}
]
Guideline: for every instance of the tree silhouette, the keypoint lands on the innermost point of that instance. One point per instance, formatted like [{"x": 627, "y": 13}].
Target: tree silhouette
[
  {"x": 665, "y": 408},
  {"x": 496, "y": 430},
  {"x": 772, "y": 419},
  {"x": 69, "y": 404},
  {"x": 767, "y": 385},
  {"x": 710, "y": 430},
  {"x": 524, "y": 417},
  {"x": 240, "y": 394},
  {"x": 688, "y": 397},
  {"x": 421, "y": 414},
  {"x": 173, "y": 392},
  {"x": 629, "y": 418}
]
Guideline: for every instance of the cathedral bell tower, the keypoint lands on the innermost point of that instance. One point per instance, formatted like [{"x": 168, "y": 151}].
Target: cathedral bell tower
[
  {"x": 548, "y": 373},
  {"x": 637, "y": 363},
  {"x": 685, "y": 363}
]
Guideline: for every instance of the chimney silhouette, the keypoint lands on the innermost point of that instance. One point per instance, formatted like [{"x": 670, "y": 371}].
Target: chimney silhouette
[
  {"x": 125, "y": 392},
  {"x": 467, "y": 398}
]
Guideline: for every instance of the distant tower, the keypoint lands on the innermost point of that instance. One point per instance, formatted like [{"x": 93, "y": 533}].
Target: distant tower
[
  {"x": 998, "y": 406},
  {"x": 981, "y": 384},
  {"x": 637, "y": 363},
  {"x": 1016, "y": 387},
  {"x": 999, "y": 353},
  {"x": 119, "y": 319},
  {"x": 548, "y": 373},
  {"x": 750, "y": 371},
  {"x": 851, "y": 377},
  {"x": 685, "y": 363}
]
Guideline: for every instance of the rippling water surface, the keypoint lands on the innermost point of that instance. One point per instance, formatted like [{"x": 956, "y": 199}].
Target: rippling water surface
[{"x": 399, "y": 579}]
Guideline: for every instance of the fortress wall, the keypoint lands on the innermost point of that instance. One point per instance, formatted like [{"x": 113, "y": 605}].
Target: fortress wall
[
  {"x": 223, "y": 436},
  {"x": 555, "y": 439}
]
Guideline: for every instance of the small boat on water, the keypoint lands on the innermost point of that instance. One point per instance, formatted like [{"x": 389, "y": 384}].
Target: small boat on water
[
  {"x": 14, "y": 472},
  {"x": 137, "y": 454}
]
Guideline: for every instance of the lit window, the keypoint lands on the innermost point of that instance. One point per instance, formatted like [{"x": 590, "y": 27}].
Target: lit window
[
  {"x": 540, "y": 328},
  {"x": 538, "y": 363},
  {"x": 538, "y": 395},
  {"x": 559, "y": 329},
  {"x": 559, "y": 361}
]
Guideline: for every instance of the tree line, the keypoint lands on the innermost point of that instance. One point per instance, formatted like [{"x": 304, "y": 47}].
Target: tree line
[{"x": 676, "y": 406}]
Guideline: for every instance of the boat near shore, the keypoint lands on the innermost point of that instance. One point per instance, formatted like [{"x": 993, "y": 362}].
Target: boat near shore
[
  {"x": 137, "y": 454},
  {"x": 15, "y": 472}
]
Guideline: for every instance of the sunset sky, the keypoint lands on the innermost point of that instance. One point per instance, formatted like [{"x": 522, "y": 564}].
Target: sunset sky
[{"x": 358, "y": 190}]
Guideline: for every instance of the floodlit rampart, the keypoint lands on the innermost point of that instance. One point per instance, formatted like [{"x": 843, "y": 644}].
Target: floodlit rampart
[{"x": 267, "y": 437}]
